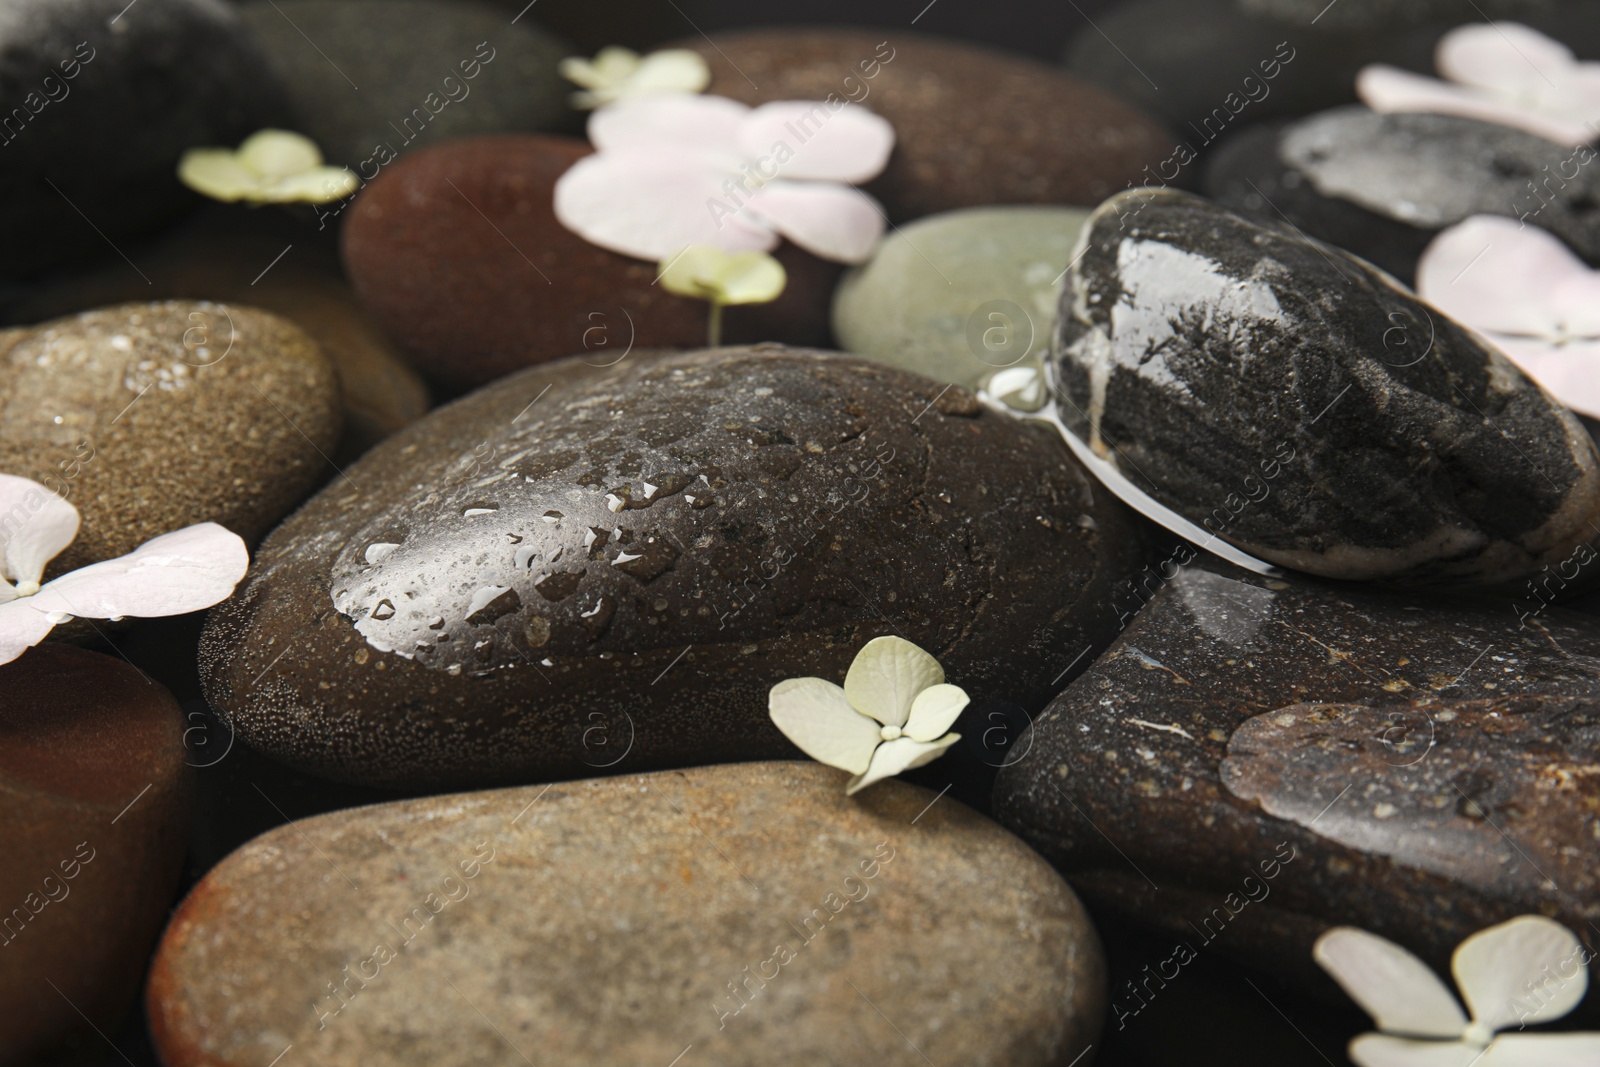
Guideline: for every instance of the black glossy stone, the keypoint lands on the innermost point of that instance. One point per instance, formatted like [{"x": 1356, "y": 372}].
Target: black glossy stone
[
  {"x": 1289, "y": 398},
  {"x": 1382, "y": 186},
  {"x": 1325, "y": 753}
]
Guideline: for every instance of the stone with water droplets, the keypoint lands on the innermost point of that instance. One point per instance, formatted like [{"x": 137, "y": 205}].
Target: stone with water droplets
[
  {"x": 1255, "y": 760},
  {"x": 469, "y": 608},
  {"x": 1292, "y": 400},
  {"x": 744, "y": 914}
]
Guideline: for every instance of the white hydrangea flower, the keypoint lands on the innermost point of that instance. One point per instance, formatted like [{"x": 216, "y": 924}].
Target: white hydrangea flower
[
  {"x": 890, "y": 716},
  {"x": 270, "y": 167},
  {"x": 618, "y": 73},
  {"x": 1530, "y": 969}
]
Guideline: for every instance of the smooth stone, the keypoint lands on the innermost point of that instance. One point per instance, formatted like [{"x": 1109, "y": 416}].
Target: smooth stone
[
  {"x": 1369, "y": 15},
  {"x": 1419, "y": 767},
  {"x": 957, "y": 296},
  {"x": 973, "y": 126},
  {"x": 1288, "y": 397},
  {"x": 528, "y": 586},
  {"x": 91, "y": 162},
  {"x": 217, "y": 257},
  {"x": 750, "y": 912},
  {"x": 1382, "y": 186},
  {"x": 457, "y": 252},
  {"x": 381, "y": 77},
  {"x": 152, "y": 417},
  {"x": 94, "y": 801}
]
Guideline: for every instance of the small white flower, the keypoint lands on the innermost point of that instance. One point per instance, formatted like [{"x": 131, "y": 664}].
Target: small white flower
[
  {"x": 1530, "y": 969},
  {"x": 619, "y": 73},
  {"x": 270, "y": 167},
  {"x": 1501, "y": 72},
  {"x": 890, "y": 716},
  {"x": 173, "y": 574}
]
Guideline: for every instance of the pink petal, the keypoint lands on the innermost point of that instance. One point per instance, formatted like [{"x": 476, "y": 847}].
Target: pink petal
[
  {"x": 1389, "y": 89},
  {"x": 21, "y": 627},
  {"x": 1570, "y": 373},
  {"x": 1507, "y": 58},
  {"x": 174, "y": 574},
  {"x": 654, "y": 206},
  {"x": 832, "y": 221},
  {"x": 1497, "y": 274},
  {"x": 35, "y": 525},
  {"x": 811, "y": 139},
  {"x": 671, "y": 122}
]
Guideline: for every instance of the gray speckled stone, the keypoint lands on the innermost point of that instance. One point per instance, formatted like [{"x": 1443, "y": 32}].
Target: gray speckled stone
[
  {"x": 927, "y": 300},
  {"x": 1287, "y": 397},
  {"x": 751, "y": 913}
]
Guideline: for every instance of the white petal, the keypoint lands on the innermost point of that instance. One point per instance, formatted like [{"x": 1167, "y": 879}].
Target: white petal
[
  {"x": 1390, "y": 89},
  {"x": 676, "y": 122},
  {"x": 1399, "y": 991},
  {"x": 1528, "y": 962},
  {"x": 899, "y": 755},
  {"x": 654, "y": 205},
  {"x": 1542, "y": 1050},
  {"x": 279, "y": 153},
  {"x": 814, "y": 714},
  {"x": 1507, "y": 58},
  {"x": 1496, "y": 274},
  {"x": 1381, "y": 1050},
  {"x": 935, "y": 710},
  {"x": 1570, "y": 373},
  {"x": 671, "y": 70},
  {"x": 217, "y": 173},
  {"x": 808, "y": 139},
  {"x": 832, "y": 221},
  {"x": 21, "y": 627},
  {"x": 35, "y": 525},
  {"x": 319, "y": 185},
  {"x": 886, "y": 676},
  {"x": 174, "y": 574}
]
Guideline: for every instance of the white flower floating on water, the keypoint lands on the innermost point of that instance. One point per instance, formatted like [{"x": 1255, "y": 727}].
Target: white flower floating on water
[
  {"x": 620, "y": 73},
  {"x": 270, "y": 167},
  {"x": 1502, "y": 72},
  {"x": 1527, "y": 294},
  {"x": 890, "y": 716},
  {"x": 173, "y": 574},
  {"x": 1530, "y": 969},
  {"x": 708, "y": 273},
  {"x": 674, "y": 170}
]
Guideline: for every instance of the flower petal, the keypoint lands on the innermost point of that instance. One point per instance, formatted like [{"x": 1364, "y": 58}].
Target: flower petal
[
  {"x": 832, "y": 221},
  {"x": 1497, "y": 967},
  {"x": 707, "y": 273},
  {"x": 1542, "y": 1050},
  {"x": 1390, "y": 89},
  {"x": 815, "y": 715},
  {"x": 35, "y": 525},
  {"x": 1507, "y": 58},
  {"x": 21, "y": 627},
  {"x": 279, "y": 153},
  {"x": 1497, "y": 274},
  {"x": 174, "y": 574},
  {"x": 1570, "y": 373},
  {"x": 886, "y": 676},
  {"x": 935, "y": 710},
  {"x": 810, "y": 139},
  {"x": 1381, "y": 1050},
  {"x": 1399, "y": 991},
  {"x": 674, "y": 123},
  {"x": 898, "y": 755},
  {"x": 217, "y": 173},
  {"x": 319, "y": 185},
  {"x": 653, "y": 206},
  {"x": 679, "y": 70}
]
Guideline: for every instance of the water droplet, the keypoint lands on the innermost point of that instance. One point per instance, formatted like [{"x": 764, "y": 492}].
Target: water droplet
[
  {"x": 624, "y": 557},
  {"x": 453, "y": 669},
  {"x": 523, "y": 558},
  {"x": 378, "y": 551},
  {"x": 436, "y": 623},
  {"x": 537, "y": 631},
  {"x": 384, "y": 610},
  {"x": 361, "y": 655},
  {"x": 614, "y": 503},
  {"x": 472, "y": 513},
  {"x": 551, "y": 516}
]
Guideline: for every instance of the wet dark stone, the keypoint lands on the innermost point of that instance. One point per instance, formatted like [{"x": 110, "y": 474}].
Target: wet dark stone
[
  {"x": 478, "y": 603},
  {"x": 1382, "y": 186},
  {"x": 1289, "y": 398},
  {"x": 1328, "y": 754}
]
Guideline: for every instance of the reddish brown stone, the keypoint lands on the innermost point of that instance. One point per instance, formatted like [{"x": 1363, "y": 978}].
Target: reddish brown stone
[
  {"x": 458, "y": 253},
  {"x": 94, "y": 805},
  {"x": 973, "y": 126}
]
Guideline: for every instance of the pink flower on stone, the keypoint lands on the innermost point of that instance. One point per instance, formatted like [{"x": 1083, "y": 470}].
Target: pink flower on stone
[
  {"x": 676, "y": 170},
  {"x": 1501, "y": 72},
  {"x": 1526, "y": 293},
  {"x": 173, "y": 574}
]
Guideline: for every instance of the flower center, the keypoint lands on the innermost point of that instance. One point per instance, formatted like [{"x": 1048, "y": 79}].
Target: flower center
[
  {"x": 890, "y": 733},
  {"x": 27, "y": 588},
  {"x": 1477, "y": 1035}
]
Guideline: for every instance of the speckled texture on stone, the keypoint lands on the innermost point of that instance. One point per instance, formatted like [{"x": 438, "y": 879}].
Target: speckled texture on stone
[
  {"x": 93, "y": 156},
  {"x": 973, "y": 126},
  {"x": 1289, "y": 398},
  {"x": 366, "y": 75},
  {"x": 151, "y": 417},
  {"x": 457, "y": 252},
  {"x": 612, "y": 921},
  {"x": 94, "y": 804},
  {"x": 1449, "y": 774},
  {"x": 927, "y": 298},
  {"x": 636, "y": 556}
]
